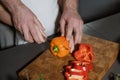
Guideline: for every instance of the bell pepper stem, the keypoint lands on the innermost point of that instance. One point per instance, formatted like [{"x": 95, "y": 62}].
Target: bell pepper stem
[{"x": 55, "y": 49}]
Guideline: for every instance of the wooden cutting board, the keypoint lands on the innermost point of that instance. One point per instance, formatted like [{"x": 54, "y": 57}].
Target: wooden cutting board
[{"x": 52, "y": 68}]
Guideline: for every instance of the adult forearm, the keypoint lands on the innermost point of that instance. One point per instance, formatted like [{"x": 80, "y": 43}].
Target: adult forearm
[
  {"x": 8, "y": 8},
  {"x": 5, "y": 16},
  {"x": 11, "y": 5}
]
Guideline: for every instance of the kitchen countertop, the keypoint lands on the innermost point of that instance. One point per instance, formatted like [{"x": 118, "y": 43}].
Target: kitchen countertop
[{"x": 13, "y": 59}]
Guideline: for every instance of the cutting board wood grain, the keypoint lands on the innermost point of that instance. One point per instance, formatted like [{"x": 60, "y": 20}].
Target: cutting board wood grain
[{"x": 53, "y": 68}]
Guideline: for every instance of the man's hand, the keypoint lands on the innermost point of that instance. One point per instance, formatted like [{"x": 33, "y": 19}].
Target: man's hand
[
  {"x": 71, "y": 23},
  {"x": 71, "y": 26},
  {"x": 25, "y": 21},
  {"x": 28, "y": 24}
]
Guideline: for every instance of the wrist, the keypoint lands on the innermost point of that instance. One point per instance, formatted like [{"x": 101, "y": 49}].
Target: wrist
[
  {"x": 71, "y": 5},
  {"x": 12, "y": 5}
]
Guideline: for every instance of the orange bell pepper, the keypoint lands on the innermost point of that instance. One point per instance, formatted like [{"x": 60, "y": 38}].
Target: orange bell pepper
[{"x": 59, "y": 46}]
